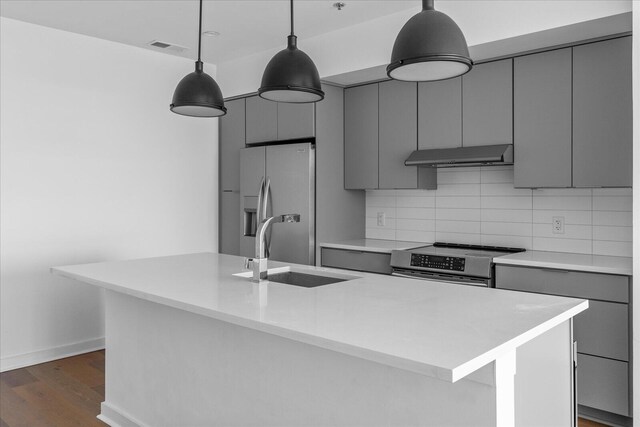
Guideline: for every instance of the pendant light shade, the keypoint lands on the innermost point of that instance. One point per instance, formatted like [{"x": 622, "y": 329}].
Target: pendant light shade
[
  {"x": 198, "y": 94},
  {"x": 429, "y": 47},
  {"x": 291, "y": 75}
]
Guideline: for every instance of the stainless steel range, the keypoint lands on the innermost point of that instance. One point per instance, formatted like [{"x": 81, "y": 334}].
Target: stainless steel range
[{"x": 450, "y": 262}]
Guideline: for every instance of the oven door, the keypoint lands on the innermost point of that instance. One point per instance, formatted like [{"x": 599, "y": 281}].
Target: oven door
[{"x": 442, "y": 277}]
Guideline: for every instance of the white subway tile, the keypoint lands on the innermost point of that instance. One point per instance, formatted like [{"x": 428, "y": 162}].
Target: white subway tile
[
  {"x": 506, "y": 228},
  {"x": 613, "y": 203},
  {"x": 380, "y": 193},
  {"x": 414, "y": 193},
  {"x": 458, "y": 214},
  {"x": 415, "y": 213},
  {"x": 506, "y": 215},
  {"x": 613, "y": 218},
  {"x": 616, "y": 234},
  {"x": 416, "y": 224},
  {"x": 570, "y": 217},
  {"x": 458, "y": 227},
  {"x": 458, "y": 190},
  {"x": 562, "y": 192},
  {"x": 472, "y": 239},
  {"x": 386, "y": 202},
  {"x": 458, "y": 176},
  {"x": 415, "y": 202},
  {"x": 613, "y": 192},
  {"x": 426, "y": 237},
  {"x": 562, "y": 245},
  {"x": 509, "y": 241},
  {"x": 497, "y": 175},
  {"x": 501, "y": 189},
  {"x": 571, "y": 231},
  {"x": 612, "y": 248},
  {"x": 571, "y": 203},
  {"x": 468, "y": 202},
  {"x": 372, "y": 212},
  {"x": 506, "y": 202},
  {"x": 380, "y": 233}
]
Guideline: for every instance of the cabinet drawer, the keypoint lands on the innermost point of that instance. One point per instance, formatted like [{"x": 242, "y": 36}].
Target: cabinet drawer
[
  {"x": 603, "y": 330},
  {"x": 576, "y": 284},
  {"x": 603, "y": 384},
  {"x": 373, "y": 262}
]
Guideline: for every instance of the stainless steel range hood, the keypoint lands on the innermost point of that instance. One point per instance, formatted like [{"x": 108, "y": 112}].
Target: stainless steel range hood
[{"x": 501, "y": 154}]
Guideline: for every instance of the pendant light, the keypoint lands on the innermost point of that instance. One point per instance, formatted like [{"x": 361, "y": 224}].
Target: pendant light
[
  {"x": 291, "y": 76},
  {"x": 429, "y": 47},
  {"x": 198, "y": 94}
]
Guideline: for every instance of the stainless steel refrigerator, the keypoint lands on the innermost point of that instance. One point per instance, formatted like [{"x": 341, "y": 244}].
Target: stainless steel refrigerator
[{"x": 276, "y": 180}]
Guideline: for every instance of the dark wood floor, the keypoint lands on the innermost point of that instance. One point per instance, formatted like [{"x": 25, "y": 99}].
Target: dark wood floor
[{"x": 65, "y": 392}]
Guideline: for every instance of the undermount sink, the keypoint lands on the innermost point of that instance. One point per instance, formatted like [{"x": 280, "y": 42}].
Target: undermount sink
[{"x": 306, "y": 279}]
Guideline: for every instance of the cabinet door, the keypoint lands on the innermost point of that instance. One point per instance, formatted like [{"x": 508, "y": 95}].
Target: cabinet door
[
  {"x": 602, "y": 114},
  {"x": 361, "y": 137},
  {"x": 542, "y": 119},
  {"x": 262, "y": 120},
  {"x": 398, "y": 134},
  {"x": 603, "y": 330},
  {"x": 296, "y": 121},
  {"x": 487, "y": 104},
  {"x": 373, "y": 262},
  {"x": 232, "y": 139},
  {"x": 229, "y": 229},
  {"x": 440, "y": 114},
  {"x": 603, "y": 384}
]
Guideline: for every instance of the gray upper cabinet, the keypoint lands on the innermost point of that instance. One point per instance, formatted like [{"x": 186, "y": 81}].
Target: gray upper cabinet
[
  {"x": 602, "y": 114},
  {"x": 440, "y": 114},
  {"x": 295, "y": 121},
  {"x": 361, "y": 137},
  {"x": 262, "y": 120},
  {"x": 542, "y": 119},
  {"x": 487, "y": 104},
  {"x": 232, "y": 139},
  {"x": 397, "y": 134}
]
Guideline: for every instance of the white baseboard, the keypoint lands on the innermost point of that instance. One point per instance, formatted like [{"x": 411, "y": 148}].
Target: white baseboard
[
  {"x": 41, "y": 356},
  {"x": 115, "y": 417}
]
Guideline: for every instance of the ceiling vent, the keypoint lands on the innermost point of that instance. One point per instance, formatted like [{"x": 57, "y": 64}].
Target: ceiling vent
[{"x": 167, "y": 46}]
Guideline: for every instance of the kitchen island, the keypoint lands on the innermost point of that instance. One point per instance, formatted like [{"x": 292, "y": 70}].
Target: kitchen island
[{"x": 191, "y": 343}]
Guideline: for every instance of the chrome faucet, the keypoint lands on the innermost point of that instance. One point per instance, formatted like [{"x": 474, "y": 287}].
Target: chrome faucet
[{"x": 259, "y": 263}]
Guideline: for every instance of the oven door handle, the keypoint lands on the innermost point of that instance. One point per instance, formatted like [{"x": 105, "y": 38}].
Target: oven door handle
[{"x": 408, "y": 276}]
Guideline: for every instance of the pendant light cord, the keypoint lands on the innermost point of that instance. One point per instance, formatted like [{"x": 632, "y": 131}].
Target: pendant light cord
[
  {"x": 427, "y": 5},
  {"x": 200, "y": 32},
  {"x": 292, "y": 18}
]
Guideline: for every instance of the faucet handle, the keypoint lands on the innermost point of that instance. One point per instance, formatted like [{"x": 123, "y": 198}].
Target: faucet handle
[{"x": 248, "y": 263}]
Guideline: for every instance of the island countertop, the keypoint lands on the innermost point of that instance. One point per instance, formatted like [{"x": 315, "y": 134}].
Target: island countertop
[{"x": 438, "y": 329}]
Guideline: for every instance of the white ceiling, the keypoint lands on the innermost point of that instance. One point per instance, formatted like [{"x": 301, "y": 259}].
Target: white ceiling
[{"x": 246, "y": 26}]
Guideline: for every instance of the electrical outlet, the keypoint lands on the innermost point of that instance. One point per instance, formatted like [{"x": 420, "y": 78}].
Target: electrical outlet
[
  {"x": 558, "y": 225},
  {"x": 381, "y": 219}
]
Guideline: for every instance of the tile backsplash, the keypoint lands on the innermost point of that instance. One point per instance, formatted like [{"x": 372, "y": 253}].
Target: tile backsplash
[{"x": 480, "y": 206}]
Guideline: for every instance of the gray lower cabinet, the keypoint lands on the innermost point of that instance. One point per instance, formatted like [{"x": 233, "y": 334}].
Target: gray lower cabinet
[
  {"x": 397, "y": 133},
  {"x": 542, "y": 119},
  {"x": 373, "y": 262},
  {"x": 487, "y": 104},
  {"x": 440, "y": 114},
  {"x": 601, "y": 332},
  {"x": 262, "y": 120},
  {"x": 361, "y": 137},
  {"x": 602, "y": 114}
]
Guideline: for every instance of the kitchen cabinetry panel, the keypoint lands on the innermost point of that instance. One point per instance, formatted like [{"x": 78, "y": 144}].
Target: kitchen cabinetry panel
[
  {"x": 372, "y": 262},
  {"x": 262, "y": 120},
  {"x": 542, "y": 119},
  {"x": 603, "y": 384},
  {"x": 361, "y": 137},
  {"x": 602, "y": 114},
  {"x": 603, "y": 330},
  {"x": 440, "y": 114},
  {"x": 487, "y": 104},
  {"x": 232, "y": 140},
  {"x": 295, "y": 121},
  {"x": 398, "y": 134},
  {"x": 229, "y": 229}
]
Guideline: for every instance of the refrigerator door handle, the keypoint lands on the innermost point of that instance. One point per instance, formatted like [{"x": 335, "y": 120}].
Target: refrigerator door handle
[
  {"x": 259, "y": 217},
  {"x": 265, "y": 212}
]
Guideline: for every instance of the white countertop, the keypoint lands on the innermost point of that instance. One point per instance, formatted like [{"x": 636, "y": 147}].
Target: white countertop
[
  {"x": 569, "y": 261},
  {"x": 433, "y": 328},
  {"x": 372, "y": 245}
]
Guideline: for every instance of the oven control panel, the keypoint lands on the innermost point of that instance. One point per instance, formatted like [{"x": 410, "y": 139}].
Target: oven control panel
[{"x": 435, "y": 261}]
